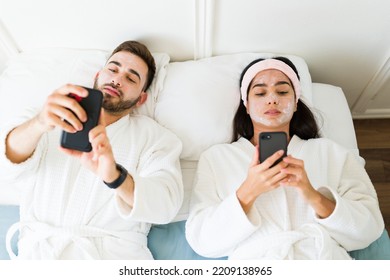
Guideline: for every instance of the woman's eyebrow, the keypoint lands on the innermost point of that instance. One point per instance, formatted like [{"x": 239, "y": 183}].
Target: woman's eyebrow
[
  {"x": 282, "y": 83},
  {"x": 277, "y": 84}
]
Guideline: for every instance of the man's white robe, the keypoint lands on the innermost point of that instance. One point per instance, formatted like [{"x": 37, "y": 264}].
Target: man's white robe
[
  {"x": 281, "y": 225},
  {"x": 67, "y": 212}
]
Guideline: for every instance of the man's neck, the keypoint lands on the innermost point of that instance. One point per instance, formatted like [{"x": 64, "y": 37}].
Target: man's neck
[{"x": 111, "y": 118}]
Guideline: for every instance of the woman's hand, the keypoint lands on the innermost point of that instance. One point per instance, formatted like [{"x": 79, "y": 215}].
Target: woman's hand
[
  {"x": 260, "y": 179},
  {"x": 297, "y": 177}
]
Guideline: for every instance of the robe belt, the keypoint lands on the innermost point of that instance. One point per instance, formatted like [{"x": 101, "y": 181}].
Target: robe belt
[
  {"x": 77, "y": 234},
  {"x": 278, "y": 245}
]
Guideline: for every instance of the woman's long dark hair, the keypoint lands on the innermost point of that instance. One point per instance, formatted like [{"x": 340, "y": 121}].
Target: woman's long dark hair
[{"x": 302, "y": 124}]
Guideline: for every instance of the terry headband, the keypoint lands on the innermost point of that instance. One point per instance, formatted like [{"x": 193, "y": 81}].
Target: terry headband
[{"x": 267, "y": 64}]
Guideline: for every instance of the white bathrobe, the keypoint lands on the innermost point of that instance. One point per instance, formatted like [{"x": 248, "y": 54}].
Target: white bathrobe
[
  {"x": 67, "y": 212},
  {"x": 281, "y": 225}
]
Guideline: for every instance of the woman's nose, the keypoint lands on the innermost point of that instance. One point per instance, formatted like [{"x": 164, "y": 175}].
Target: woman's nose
[{"x": 273, "y": 101}]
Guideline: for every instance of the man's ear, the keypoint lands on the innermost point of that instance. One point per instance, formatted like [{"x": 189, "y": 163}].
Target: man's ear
[{"x": 142, "y": 98}]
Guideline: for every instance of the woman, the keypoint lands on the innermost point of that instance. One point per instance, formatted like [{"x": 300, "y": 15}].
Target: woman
[{"x": 317, "y": 203}]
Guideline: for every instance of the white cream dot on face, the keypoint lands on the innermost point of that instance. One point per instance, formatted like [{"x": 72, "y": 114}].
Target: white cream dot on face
[
  {"x": 256, "y": 117},
  {"x": 287, "y": 113}
]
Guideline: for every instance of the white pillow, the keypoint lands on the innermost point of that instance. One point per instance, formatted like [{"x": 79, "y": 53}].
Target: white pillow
[
  {"x": 31, "y": 76},
  {"x": 334, "y": 116},
  {"x": 200, "y": 98}
]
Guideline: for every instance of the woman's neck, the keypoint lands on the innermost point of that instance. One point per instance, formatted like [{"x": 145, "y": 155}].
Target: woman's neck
[{"x": 257, "y": 130}]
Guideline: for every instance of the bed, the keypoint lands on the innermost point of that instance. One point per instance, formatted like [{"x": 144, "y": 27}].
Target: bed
[{"x": 195, "y": 92}]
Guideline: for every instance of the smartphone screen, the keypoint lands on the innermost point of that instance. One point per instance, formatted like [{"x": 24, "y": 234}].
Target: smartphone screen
[
  {"x": 271, "y": 142},
  {"x": 92, "y": 105}
]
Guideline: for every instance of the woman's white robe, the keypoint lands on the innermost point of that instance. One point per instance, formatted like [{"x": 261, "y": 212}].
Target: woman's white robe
[
  {"x": 67, "y": 212},
  {"x": 281, "y": 225}
]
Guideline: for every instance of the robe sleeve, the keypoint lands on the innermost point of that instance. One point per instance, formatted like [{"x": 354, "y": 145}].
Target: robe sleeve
[
  {"x": 158, "y": 192},
  {"x": 216, "y": 226},
  {"x": 356, "y": 221},
  {"x": 11, "y": 171}
]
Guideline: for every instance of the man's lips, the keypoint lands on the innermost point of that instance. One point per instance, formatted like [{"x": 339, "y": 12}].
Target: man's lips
[{"x": 111, "y": 91}]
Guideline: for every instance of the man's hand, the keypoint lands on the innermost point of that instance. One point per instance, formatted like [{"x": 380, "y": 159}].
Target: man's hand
[
  {"x": 57, "y": 108},
  {"x": 101, "y": 159},
  {"x": 63, "y": 111}
]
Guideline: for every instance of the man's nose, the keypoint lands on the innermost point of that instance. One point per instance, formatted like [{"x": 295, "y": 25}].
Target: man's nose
[{"x": 116, "y": 82}]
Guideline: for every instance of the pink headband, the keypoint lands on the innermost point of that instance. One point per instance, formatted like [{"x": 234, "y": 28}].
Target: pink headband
[{"x": 265, "y": 65}]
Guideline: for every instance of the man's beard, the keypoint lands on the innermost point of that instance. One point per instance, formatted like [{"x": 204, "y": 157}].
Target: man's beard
[{"x": 119, "y": 107}]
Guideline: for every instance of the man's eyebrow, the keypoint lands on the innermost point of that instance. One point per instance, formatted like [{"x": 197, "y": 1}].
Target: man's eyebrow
[
  {"x": 135, "y": 73},
  {"x": 115, "y": 62},
  {"x": 129, "y": 70}
]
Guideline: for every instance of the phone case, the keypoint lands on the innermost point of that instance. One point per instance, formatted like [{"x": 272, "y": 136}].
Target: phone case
[
  {"x": 92, "y": 105},
  {"x": 271, "y": 142}
]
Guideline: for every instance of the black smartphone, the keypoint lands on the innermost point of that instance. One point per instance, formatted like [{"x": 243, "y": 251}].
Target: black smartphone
[
  {"x": 92, "y": 105},
  {"x": 271, "y": 142}
]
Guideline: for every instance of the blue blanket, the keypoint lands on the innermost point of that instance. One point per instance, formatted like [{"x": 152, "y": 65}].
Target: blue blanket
[{"x": 168, "y": 242}]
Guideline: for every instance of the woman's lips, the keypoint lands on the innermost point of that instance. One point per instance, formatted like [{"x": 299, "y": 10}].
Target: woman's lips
[{"x": 272, "y": 112}]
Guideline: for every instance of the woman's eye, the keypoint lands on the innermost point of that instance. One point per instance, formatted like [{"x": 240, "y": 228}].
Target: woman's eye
[
  {"x": 111, "y": 70},
  {"x": 283, "y": 92},
  {"x": 259, "y": 93}
]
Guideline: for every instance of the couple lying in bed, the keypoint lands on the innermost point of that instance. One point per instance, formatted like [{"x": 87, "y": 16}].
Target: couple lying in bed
[{"x": 315, "y": 203}]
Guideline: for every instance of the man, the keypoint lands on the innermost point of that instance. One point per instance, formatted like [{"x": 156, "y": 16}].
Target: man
[{"x": 101, "y": 204}]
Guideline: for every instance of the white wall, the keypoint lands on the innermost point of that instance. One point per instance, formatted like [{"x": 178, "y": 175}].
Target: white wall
[
  {"x": 345, "y": 43},
  {"x": 164, "y": 25},
  {"x": 3, "y": 60}
]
